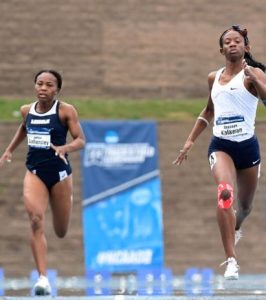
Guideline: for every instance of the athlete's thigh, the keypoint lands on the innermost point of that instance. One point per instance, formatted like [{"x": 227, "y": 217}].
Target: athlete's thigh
[
  {"x": 35, "y": 194},
  {"x": 247, "y": 180},
  {"x": 222, "y": 167},
  {"x": 61, "y": 201}
]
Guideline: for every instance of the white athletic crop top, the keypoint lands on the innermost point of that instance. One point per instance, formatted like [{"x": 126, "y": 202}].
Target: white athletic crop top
[{"x": 234, "y": 109}]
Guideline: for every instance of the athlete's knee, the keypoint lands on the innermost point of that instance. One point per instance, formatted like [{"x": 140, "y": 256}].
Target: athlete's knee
[
  {"x": 245, "y": 209},
  {"x": 225, "y": 195},
  {"x": 61, "y": 232},
  {"x": 36, "y": 221}
]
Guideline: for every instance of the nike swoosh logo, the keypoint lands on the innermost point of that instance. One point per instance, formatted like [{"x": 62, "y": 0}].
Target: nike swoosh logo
[
  {"x": 254, "y": 162},
  {"x": 232, "y": 88}
]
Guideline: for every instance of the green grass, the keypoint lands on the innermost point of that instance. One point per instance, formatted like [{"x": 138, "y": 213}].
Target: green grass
[{"x": 100, "y": 109}]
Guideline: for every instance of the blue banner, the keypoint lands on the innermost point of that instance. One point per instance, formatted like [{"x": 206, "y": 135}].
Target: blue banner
[{"x": 122, "y": 212}]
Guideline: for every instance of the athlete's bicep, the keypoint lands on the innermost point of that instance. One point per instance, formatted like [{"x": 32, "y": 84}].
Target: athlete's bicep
[{"x": 73, "y": 123}]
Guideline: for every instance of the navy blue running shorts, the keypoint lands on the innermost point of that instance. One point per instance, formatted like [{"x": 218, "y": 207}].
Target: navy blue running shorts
[
  {"x": 244, "y": 154},
  {"x": 52, "y": 172}
]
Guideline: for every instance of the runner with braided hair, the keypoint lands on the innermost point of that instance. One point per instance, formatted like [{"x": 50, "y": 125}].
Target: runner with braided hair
[{"x": 234, "y": 154}]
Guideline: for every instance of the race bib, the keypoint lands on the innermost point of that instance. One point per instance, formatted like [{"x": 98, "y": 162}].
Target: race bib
[
  {"x": 231, "y": 126},
  {"x": 39, "y": 139}
]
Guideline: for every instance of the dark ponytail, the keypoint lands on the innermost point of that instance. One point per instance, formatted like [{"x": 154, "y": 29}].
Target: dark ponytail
[
  {"x": 253, "y": 63},
  {"x": 248, "y": 57}
]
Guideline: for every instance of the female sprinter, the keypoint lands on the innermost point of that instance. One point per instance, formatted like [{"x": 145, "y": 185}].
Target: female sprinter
[
  {"x": 48, "y": 178},
  {"x": 234, "y": 154}
]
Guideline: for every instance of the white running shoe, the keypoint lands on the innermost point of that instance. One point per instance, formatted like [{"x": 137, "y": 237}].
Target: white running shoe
[
  {"x": 42, "y": 287},
  {"x": 232, "y": 268},
  {"x": 238, "y": 235}
]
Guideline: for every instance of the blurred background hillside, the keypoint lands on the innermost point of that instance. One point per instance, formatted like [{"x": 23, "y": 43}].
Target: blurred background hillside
[{"x": 114, "y": 48}]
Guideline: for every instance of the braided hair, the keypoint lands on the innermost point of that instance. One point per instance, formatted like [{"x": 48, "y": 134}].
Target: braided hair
[{"x": 248, "y": 57}]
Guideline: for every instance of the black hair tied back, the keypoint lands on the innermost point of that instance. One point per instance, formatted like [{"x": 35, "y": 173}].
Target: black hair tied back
[
  {"x": 248, "y": 57},
  {"x": 56, "y": 74}
]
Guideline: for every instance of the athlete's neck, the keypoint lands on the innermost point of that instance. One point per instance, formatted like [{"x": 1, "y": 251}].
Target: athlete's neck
[{"x": 43, "y": 107}]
